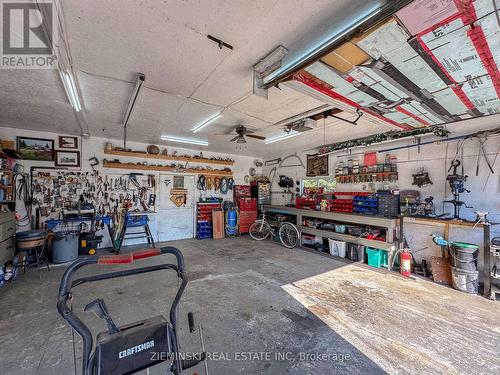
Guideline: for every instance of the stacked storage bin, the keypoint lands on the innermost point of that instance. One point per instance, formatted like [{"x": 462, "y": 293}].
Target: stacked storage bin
[
  {"x": 377, "y": 257},
  {"x": 246, "y": 205},
  {"x": 388, "y": 204},
  {"x": 204, "y": 228},
  {"x": 365, "y": 205}
]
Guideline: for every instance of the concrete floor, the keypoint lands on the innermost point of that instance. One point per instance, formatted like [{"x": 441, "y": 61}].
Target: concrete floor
[{"x": 265, "y": 299}]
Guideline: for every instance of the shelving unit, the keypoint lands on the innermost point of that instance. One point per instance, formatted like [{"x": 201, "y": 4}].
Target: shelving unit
[
  {"x": 204, "y": 226},
  {"x": 7, "y": 188},
  {"x": 348, "y": 238},
  {"x": 391, "y": 225},
  {"x": 206, "y": 172},
  {"x": 168, "y": 157}
]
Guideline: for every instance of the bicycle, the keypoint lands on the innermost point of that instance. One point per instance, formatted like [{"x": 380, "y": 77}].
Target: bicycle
[{"x": 287, "y": 232}]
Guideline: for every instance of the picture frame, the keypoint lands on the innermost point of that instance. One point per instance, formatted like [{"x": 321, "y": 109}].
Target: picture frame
[
  {"x": 65, "y": 158},
  {"x": 35, "y": 148},
  {"x": 68, "y": 142},
  {"x": 317, "y": 165}
]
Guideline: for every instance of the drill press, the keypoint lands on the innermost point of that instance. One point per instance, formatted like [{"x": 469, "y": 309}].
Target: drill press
[{"x": 456, "y": 182}]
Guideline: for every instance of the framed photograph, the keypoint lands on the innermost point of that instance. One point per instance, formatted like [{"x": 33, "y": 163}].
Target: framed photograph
[
  {"x": 68, "y": 142},
  {"x": 67, "y": 159},
  {"x": 35, "y": 148}
]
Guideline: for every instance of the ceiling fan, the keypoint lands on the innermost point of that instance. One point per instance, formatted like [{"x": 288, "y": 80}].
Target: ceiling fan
[{"x": 242, "y": 132}]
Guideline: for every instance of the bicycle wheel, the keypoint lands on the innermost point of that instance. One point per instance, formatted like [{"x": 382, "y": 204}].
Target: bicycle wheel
[
  {"x": 289, "y": 235},
  {"x": 259, "y": 230}
]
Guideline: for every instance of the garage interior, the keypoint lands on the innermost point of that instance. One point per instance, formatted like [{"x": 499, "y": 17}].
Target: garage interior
[{"x": 221, "y": 187}]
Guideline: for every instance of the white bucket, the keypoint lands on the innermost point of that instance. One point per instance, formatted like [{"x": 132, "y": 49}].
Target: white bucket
[{"x": 337, "y": 248}]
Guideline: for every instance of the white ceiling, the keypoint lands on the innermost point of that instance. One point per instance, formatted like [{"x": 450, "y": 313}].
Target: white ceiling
[{"x": 188, "y": 78}]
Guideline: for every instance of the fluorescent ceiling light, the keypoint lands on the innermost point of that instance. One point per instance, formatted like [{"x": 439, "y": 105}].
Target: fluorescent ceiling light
[
  {"x": 139, "y": 82},
  {"x": 71, "y": 92},
  {"x": 282, "y": 137},
  {"x": 203, "y": 124},
  {"x": 184, "y": 140}
]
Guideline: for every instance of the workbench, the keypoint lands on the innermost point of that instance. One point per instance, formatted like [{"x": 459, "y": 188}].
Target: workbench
[
  {"x": 390, "y": 224},
  {"x": 489, "y": 289}
]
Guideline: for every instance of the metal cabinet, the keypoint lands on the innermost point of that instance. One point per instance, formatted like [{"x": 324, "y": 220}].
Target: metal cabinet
[{"x": 7, "y": 232}]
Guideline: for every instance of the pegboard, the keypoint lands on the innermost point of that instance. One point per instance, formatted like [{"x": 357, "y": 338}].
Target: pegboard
[{"x": 57, "y": 193}]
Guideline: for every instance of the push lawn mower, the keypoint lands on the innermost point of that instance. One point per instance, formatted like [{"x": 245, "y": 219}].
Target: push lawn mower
[{"x": 133, "y": 347}]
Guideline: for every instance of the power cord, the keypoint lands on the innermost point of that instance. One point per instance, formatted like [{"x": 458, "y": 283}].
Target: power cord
[
  {"x": 202, "y": 183},
  {"x": 25, "y": 195}
]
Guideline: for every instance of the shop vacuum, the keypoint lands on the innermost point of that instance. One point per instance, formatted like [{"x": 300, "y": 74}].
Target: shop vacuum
[{"x": 133, "y": 347}]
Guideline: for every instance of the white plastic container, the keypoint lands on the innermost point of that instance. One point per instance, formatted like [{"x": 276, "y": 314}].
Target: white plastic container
[{"x": 337, "y": 248}]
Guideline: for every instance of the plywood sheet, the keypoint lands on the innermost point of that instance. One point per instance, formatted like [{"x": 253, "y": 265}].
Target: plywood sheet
[
  {"x": 337, "y": 62},
  {"x": 385, "y": 40},
  {"x": 218, "y": 224},
  {"x": 397, "y": 116},
  {"x": 384, "y": 87},
  {"x": 423, "y": 14},
  {"x": 352, "y": 53},
  {"x": 340, "y": 85},
  {"x": 426, "y": 115},
  {"x": 455, "y": 51},
  {"x": 441, "y": 270},
  {"x": 390, "y": 42},
  {"x": 491, "y": 30},
  {"x": 484, "y": 7},
  {"x": 449, "y": 100},
  {"x": 483, "y": 95},
  {"x": 346, "y": 57}
]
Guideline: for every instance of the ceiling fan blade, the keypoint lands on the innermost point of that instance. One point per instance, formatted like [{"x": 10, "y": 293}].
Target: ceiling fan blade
[
  {"x": 234, "y": 139},
  {"x": 256, "y": 136}
]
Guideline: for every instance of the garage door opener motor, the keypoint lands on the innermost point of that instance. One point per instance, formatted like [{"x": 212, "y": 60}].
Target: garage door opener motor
[{"x": 133, "y": 347}]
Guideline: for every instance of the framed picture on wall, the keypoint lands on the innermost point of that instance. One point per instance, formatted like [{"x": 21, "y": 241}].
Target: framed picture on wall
[
  {"x": 68, "y": 142},
  {"x": 35, "y": 148},
  {"x": 317, "y": 165},
  {"x": 67, "y": 159}
]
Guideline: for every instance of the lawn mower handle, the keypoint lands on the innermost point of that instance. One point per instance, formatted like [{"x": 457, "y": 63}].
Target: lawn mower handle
[{"x": 67, "y": 283}]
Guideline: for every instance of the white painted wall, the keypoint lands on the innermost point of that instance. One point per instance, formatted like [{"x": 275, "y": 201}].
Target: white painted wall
[
  {"x": 435, "y": 159},
  {"x": 95, "y": 147}
]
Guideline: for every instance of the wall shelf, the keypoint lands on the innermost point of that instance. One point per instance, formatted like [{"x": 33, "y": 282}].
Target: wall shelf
[
  {"x": 168, "y": 157},
  {"x": 205, "y": 172},
  {"x": 348, "y": 238},
  {"x": 366, "y": 177}
]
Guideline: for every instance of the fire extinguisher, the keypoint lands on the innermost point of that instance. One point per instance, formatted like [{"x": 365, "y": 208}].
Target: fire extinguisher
[{"x": 405, "y": 263}]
